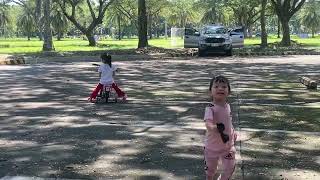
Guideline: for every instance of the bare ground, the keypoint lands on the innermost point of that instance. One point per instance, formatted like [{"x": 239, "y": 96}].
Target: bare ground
[{"x": 49, "y": 130}]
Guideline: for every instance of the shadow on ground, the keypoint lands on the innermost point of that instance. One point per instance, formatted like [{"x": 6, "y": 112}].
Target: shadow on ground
[{"x": 47, "y": 128}]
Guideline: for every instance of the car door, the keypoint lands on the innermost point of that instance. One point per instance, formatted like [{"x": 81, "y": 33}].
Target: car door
[
  {"x": 237, "y": 37},
  {"x": 191, "y": 38}
]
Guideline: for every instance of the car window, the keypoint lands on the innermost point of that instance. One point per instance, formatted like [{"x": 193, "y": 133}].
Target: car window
[
  {"x": 214, "y": 30},
  {"x": 237, "y": 30},
  {"x": 190, "y": 31}
]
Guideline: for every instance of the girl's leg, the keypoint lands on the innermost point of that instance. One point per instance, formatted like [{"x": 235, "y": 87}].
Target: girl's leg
[
  {"x": 211, "y": 167},
  {"x": 95, "y": 92},
  {"x": 211, "y": 164},
  {"x": 118, "y": 90},
  {"x": 228, "y": 163}
]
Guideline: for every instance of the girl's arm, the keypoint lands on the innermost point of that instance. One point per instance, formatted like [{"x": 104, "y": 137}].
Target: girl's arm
[
  {"x": 99, "y": 74},
  {"x": 114, "y": 70},
  {"x": 210, "y": 126}
]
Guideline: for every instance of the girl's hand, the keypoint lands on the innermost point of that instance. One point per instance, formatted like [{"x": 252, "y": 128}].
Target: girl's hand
[
  {"x": 210, "y": 126},
  {"x": 220, "y": 127}
]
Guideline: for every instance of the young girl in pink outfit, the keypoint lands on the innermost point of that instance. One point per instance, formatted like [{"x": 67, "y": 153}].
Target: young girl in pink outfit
[
  {"x": 220, "y": 135},
  {"x": 106, "y": 72}
]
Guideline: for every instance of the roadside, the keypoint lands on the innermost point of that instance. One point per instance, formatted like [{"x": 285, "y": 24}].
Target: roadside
[{"x": 150, "y": 53}]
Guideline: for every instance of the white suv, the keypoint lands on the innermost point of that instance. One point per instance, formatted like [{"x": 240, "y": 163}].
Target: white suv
[{"x": 212, "y": 38}]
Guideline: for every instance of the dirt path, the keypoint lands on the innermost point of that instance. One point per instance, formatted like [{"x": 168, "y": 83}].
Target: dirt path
[{"x": 47, "y": 129}]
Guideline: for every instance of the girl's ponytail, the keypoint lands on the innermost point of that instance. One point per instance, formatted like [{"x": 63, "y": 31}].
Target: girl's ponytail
[{"x": 106, "y": 59}]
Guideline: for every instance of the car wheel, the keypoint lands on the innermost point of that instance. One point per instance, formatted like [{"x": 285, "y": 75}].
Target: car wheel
[
  {"x": 201, "y": 53},
  {"x": 229, "y": 52}
]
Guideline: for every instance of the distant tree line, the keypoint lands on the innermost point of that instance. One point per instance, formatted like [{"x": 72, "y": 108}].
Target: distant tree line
[{"x": 147, "y": 19}]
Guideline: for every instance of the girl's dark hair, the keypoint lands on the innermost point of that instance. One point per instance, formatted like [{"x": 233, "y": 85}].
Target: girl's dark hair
[
  {"x": 220, "y": 79},
  {"x": 106, "y": 58}
]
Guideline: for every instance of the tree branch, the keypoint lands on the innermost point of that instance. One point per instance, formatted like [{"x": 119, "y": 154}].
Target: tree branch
[
  {"x": 91, "y": 10},
  {"x": 128, "y": 15},
  {"x": 295, "y": 7}
]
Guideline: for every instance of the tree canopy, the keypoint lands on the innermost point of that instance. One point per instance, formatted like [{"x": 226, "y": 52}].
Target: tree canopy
[{"x": 122, "y": 18}]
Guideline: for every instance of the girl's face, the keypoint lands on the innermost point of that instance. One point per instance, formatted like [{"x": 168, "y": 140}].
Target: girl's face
[{"x": 219, "y": 91}]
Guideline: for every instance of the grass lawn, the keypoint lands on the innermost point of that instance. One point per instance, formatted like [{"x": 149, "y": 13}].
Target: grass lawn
[
  {"x": 307, "y": 42},
  {"x": 22, "y": 45},
  {"x": 19, "y": 45}
]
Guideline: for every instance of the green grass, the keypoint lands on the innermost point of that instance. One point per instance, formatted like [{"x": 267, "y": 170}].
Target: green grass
[
  {"x": 307, "y": 42},
  {"x": 19, "y": 45},
  {"x": 22, "y": 45}
]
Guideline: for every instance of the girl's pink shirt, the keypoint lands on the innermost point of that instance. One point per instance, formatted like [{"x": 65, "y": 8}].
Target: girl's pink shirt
[{"x": 219, "y": 114}]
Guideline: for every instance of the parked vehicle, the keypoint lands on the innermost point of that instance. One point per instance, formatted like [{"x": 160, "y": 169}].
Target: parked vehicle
[
  {"x": 213, "y": 38},
  {"x": 237, "y": 37},
  {"x": 191, "y": 38}
]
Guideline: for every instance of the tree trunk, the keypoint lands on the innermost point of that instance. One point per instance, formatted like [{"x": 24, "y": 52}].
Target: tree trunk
[
  {"x": 279, "y": 27},
  {"x": 59, "y": 35},
  {"x": 264, "y": 36},
  {"x": 47, "y": 41},
  {"x": 142, "y": 24},
  {"x": 285, "y": 32},
  {"x": 37, "y": 17},
  {"x": 245, "y": 30},
  {"x": 119, "y": 27},
  {"x": 313, "y": 32},
  {"x": 249, "y": 32},
  {"x": 90, "y": 37},
  {"x": 150, "y": 25},
  {"x": 165, "y": 29},
  {"x": 157, "y": 32}
]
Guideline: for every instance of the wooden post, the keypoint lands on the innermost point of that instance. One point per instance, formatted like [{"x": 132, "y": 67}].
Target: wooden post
[{"x": 311, "y": 84}]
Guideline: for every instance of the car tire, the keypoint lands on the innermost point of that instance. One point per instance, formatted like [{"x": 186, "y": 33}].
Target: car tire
[
  {"x": 201, "y": 53},
  {"x": 229, "y": 52}
]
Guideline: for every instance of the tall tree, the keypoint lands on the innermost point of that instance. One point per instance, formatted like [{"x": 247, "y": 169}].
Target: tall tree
[
  {"x": 182, "y": 13},
  {"x": 47, "y": 33},
  {"x": 285, "y": 9},
  {"x": 116, "y": 16},
  {"x": 154, "y": 8},
  {"x": 26, "y": 22},
  {"x": 59, "y": 22},
  {"x": 310, "y": 16},
  {"x": 143, "y": 24},
  {"x": 96, "y": 16},
  {"x": 37, "y": 15},
  {"x": 36, "y": 9},
  {"x": 279, "y": 27},
  {"x": 264, "y": 36},
  {"x": 246, "y": 13},
  {"x": 154, "y": 12},
  {"x": 214, "y": 11},
  {"x": 4, "y": 16}
]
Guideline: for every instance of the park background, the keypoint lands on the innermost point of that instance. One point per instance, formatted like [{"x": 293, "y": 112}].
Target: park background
[{"x": 41, "y": 25}]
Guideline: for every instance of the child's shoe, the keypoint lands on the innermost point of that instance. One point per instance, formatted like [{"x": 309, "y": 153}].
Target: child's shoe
[
  {"x": 91, "y": 100},
  {"x": 124, "y": 98}
]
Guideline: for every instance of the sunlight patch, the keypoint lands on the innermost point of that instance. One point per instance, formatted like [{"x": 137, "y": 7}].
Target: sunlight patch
[
  {"x": 171, "y": 93},
  {"x": 178, "y": 108},
  {"x": 17, "y": 144}
]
